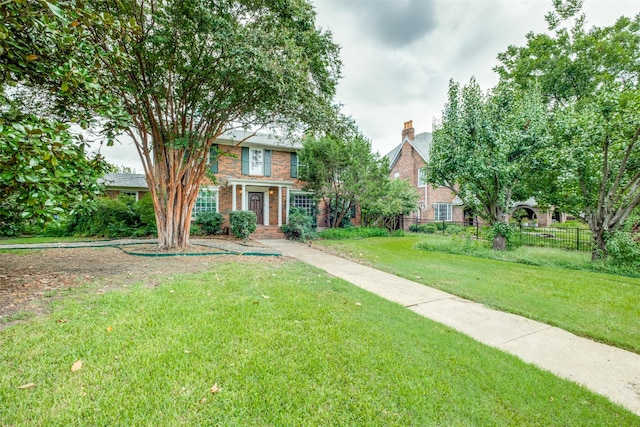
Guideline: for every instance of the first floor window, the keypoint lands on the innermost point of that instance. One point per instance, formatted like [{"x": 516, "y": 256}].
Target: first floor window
[
  {"x": 304, "y": 202},
  {"x": 443, "y": 211},
  {"x": 207, "y": 201}
]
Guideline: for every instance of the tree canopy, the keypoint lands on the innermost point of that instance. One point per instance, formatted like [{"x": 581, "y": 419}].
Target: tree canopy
[
  {"x": 389, "y": 199},
  {"x": 590, "y": 79},
  {"x": 483, "y": 148},
  {"x": 342, "y": 171}
]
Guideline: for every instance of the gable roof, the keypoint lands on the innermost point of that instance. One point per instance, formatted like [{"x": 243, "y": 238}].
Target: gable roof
[
  {"x": 259, "y": 139},
  {"x": 421, "y": 143},
  {"x": 124, "y": 180}
]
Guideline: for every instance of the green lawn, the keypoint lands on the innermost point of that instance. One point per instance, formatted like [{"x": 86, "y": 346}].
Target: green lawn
[
  {"x": 40, "y": 239},
  {"x": 604, "y": 307},
  {"x": 285, "y": 343}
]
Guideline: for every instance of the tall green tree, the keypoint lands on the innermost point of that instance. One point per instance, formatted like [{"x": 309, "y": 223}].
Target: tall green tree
[
  {"x": 185, "y": 72},
  {"x": 483, "y": 149},
  {"x": 590, "y": 79},
  {"x": 342, "y": 171}
]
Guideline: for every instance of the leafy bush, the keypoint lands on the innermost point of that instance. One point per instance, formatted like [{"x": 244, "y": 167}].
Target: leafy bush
[
  {"x": 55, "y": 229},
  {"x": 454, "y": 229},
  {"x": 424, "y": 228},
  {"x": 397, "y": 233},
  {"x": 353, "y": 233},
  {"x": 195, "y": 230},
  {"x": 119, "y": 217},
  {"x": 147, "y": 213},
  {"x": 299, "y": 226},
  {"x": 623, "y": 250},
  {"x": 243, "y": 223},
  {"x": 210, "y": 222},
  {"x": 111, "y": 218},
  {"x": 428, "y": 228},
  {"x": 511, "y": 234}
]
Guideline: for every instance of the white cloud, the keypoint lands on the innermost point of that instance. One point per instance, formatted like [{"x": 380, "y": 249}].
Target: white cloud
[{"x": 394, "y": 72}]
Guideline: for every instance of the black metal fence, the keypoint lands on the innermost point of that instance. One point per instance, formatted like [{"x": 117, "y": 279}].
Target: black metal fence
[{"x": 557, "y": 237}]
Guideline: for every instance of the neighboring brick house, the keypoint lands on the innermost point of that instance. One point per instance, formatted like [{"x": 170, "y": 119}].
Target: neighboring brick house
[
  {"x": 406, "y": 162},
  {"x": 257, "y": 173},
  {"x": 440, "y": 204},
  {"x": 131, "y": 184}
]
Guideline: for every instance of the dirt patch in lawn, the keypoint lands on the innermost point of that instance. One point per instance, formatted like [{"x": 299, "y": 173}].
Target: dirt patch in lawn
[{"x": 30, "y": 279}]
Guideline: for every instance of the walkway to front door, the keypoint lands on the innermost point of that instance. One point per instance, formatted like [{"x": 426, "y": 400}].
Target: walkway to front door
[{"x": 256, "y": 205}]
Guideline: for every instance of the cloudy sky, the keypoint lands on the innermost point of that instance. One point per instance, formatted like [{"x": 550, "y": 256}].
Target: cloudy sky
[{"x": 399, "y": 55}]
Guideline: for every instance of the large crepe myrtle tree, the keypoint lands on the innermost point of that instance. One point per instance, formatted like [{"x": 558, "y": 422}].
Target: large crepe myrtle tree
[
  {"x": 483, "y": 149},
  {"x": 590, "y": 79},
  {"x": 184, "y": 72}
]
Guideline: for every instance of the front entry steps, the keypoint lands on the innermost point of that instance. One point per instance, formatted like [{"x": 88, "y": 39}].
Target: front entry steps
[{"x": 267, "y": 232}]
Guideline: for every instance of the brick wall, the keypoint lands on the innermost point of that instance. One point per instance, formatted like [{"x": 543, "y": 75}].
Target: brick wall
[
  {"x": 232, "y": 167},
  {"x": 406, "y": 166}
]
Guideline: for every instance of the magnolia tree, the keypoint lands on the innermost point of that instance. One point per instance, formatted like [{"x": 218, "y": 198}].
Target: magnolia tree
[
  {"x": 44, "y": 169},
  {"x": 483, "y": 149},
  {"x": 591, "y": 82}
]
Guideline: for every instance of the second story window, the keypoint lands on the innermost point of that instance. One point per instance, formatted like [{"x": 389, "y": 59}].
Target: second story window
[
  {"x": 422, "y": 178},
  {"x": 256, "y": 161},
  {"x": 256, "y": 165}
]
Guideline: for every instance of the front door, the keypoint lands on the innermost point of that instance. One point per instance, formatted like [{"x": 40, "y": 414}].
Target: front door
[{"x": 256, "y": 205}]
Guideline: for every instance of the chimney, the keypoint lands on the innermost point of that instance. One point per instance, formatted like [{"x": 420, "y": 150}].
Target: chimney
[{"x": 408, "y": 130}]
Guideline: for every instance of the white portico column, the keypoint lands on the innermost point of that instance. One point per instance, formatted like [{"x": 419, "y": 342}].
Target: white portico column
[
  {"x": 244, "y": 197},
  {"x": 288, "y": 208},
  {"x": 234, "y": 190},
  {"x": 279, "y": 205}
]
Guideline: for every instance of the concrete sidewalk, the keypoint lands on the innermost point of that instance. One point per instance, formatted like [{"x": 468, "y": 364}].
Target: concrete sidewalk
[{"x": 606, "y": 370}]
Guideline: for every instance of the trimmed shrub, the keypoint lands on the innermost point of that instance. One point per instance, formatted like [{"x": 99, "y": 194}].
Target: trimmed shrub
[
  {"x": 243, "y": 223},
  {"x": 195, "y": 230},
  {"x": 424, "y": 228},
  {"x": 299, "y": 227},
  {"x": 428, "y": 228},
  {"x": 210, "y": 222}
]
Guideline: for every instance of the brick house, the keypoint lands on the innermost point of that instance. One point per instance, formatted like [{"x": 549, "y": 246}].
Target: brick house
[
  {"x": 130, "y": 184},
  {"x": 257, "y": 173},
  {"x": 440, "y": 204},
  {"x": 406, "y": 161}
]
